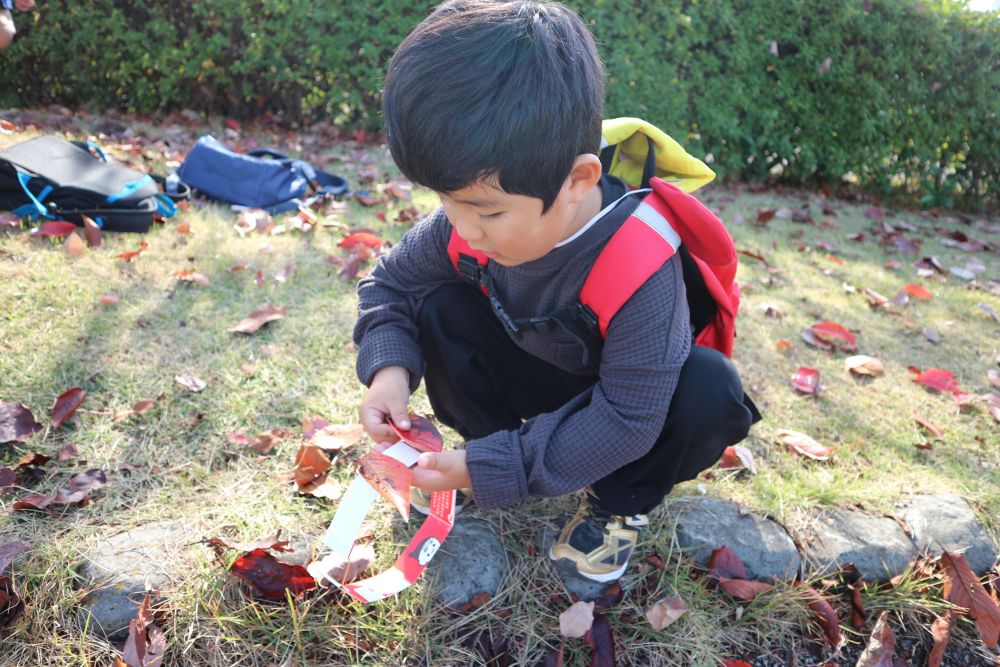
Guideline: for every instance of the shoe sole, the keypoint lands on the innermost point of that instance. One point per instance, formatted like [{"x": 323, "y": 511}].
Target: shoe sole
[{"x": 601, "y": 578}]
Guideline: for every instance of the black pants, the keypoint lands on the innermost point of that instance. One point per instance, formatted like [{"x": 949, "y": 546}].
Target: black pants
[{"x": 480, "y": 382}]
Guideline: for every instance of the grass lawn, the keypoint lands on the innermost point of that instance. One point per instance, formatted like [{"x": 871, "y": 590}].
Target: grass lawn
[{"x": 175, "y": 460}]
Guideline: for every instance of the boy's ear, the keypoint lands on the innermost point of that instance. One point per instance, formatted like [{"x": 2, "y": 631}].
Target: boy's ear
[{"x": 583, "y": 176}]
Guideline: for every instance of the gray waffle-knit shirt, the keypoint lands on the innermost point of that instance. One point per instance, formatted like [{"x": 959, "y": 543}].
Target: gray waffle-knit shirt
[{"x": 607, "y": 426}]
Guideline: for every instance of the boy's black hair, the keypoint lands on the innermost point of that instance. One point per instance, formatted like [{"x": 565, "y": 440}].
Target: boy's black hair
[{"x": 512, "y": 91}]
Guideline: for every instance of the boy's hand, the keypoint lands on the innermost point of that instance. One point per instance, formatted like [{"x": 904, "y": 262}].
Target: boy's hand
[
  {"x": 387, "y": 398},
  {"x": 24, "y": 5},
  {"x": 440, "y": 472}
]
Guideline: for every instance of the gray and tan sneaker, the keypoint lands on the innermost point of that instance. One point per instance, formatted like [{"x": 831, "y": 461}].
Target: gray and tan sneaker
[
  {"x": 598, "y": 543},
  {"x": 420, "y": 500}
]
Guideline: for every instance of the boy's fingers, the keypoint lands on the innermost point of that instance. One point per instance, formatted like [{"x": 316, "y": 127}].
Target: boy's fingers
[
  {"x": 401, "y": 418},
  {"x": 428, "y": 461}
]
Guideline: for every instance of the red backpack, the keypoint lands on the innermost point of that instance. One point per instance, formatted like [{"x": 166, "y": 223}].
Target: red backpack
[{"x": 668, "y": 221}]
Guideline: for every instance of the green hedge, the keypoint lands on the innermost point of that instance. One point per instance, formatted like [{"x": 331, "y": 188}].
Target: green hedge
[{"x": 908, "y": 99}]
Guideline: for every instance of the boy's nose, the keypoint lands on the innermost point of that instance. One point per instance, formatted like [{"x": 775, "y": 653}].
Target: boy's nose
[{"x": 467, "y": 231}]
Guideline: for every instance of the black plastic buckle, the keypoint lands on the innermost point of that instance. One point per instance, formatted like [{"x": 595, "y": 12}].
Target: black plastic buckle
[
  {"x": 542, "y": 325},
  {"x": 589, "y": 318},
  {"x": 469, "y": 269}
]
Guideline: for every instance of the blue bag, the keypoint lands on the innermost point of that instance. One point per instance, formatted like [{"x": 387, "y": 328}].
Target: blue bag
[{"x": 263, "y": 178}]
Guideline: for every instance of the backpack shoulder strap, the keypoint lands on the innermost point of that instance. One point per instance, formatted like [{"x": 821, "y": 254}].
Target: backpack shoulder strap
[{"x": 644, "y": 243}]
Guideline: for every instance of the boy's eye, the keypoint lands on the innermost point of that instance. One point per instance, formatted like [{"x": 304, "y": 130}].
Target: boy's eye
[{"x": 488, "y": 217}]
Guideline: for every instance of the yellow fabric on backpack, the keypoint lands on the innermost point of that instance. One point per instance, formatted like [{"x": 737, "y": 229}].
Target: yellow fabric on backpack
[{"x": 673, "y": 163}]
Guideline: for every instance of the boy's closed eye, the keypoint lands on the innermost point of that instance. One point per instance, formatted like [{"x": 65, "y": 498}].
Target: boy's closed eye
[{"x": 487, "y": 217}]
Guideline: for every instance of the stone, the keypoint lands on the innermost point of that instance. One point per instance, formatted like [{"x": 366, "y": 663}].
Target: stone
[
  {"x": 945, "y": 522},
  {"x": 119, "y": 570},
  {"x": 472, "y": 560},
  {"x": 876, "y": 545},
  {"x": 704, "y": 524}
]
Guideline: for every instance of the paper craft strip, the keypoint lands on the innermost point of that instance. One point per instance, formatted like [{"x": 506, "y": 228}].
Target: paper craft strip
[{"x": 346, "y": 525}]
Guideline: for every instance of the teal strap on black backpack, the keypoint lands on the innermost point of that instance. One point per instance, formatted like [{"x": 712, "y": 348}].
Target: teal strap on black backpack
[{"x": 49, "y": 177}]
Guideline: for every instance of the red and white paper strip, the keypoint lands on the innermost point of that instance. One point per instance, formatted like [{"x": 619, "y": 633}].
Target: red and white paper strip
[{"x": 346, "y": 524}]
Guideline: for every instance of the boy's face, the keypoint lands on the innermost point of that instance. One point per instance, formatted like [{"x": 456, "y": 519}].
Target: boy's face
[{"x": 511, "y": 229}]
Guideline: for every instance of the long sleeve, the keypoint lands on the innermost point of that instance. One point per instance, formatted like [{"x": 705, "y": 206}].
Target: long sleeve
[
  {"x": 389, "y": 299},
  {"x": 611, "y": 424}
]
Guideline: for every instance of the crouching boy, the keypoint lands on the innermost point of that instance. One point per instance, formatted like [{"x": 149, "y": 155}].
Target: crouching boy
[{"x": 497, "y": 107}]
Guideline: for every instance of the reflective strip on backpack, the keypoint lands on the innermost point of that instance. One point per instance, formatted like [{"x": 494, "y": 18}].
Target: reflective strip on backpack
[{"x": 658, "y": 223}]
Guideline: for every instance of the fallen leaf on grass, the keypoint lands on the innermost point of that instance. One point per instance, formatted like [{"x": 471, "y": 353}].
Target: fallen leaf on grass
[
  {"x": 54, "y": 229},
  {"x": 7, "y": 479},
  {"x": 67, "y": 453},
  {"x": 129, "y": 256},
  {"x": 273, "y": 542},
  {"x": 270, "y": 577},
  {"x": 802, "y": 444},
  {"x": 665, "y": 612},
  {"x": 577, "y": 619},
  {"x": 263, "y": 443},
  {"x": 331, "y": 437},
  {"x": 875, "y": 300},
  {"x": 336, "y": 567},
  {"x": 881, "y": 647},
  {"x": 390, "y": 478},
  {"x": 475, "y": 602},
  {"x": 806, "y": 380},
  {"x": 602, "y": 641},
  {"x": 744, "y": 589},
  {"x": 917, "y": 292},
  {"x": 184, "y": 229},
  {"x": 963, "y": 589},
  {"x": 358, "y": 240},
  {"x": 192, "y": 382},
  {"x": 81, "y": 486},
  {"x": 422, "y": 434},
  {"x": 610, "y": 596},
  {"x": 735, "y": 663},
  {"x": 66, "y": 404},
  {"x": 32, "y": 459},
  {"x": 9, "y": 551},
  {"x": 17, "y": 424},
  {"x": 11, "y": 607},
  {"x": 931, "y": 427},
  {"x": 832, "y": 334},
  {"x": 109, "y": 299},
  {"x": 142, "y": 406},
  {"x": 783, "y": 345},
  {"x": 74, "y": 245},
  {"x": 725, "y": 564},
  {"x": 736, "y": 456},
  {"x": 310, "y": 463},
  {"x": 258, "y": 318},
  {"x": 252, "y": 219},
  {"x": 941, "y": 632},
  {"x": 862, "y": 364},
  {"x": 825, "y": 616},
  {"x": 146, "y": 642},
  {"x": 189, "y": 275},
  {"x": 258, "y": 278},
  {"x": 938, "y": 379}
]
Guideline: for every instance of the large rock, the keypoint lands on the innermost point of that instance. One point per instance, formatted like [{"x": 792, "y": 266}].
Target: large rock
[
  {"x": 119, "y": 570},
  {"x": 876, "y": 545},
  {"x": 947, "y": 523},
  {"x": 471, "y": 560},
  {"x": 705, "y": 524}
]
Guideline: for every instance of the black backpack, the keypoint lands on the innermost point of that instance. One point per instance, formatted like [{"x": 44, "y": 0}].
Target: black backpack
[{"x": 49, "y": 177}]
